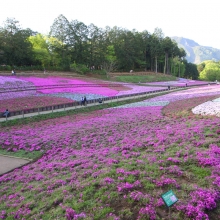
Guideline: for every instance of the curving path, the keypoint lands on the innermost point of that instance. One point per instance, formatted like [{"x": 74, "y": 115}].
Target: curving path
[
  {"x": 79, "y": 106},
  {"x": 8, "y": 163}
]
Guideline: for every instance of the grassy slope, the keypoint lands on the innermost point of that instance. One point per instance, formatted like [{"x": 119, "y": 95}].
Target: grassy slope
[
  {"x": 135, "y": 77},
  {"x": 145, "y": 78}
]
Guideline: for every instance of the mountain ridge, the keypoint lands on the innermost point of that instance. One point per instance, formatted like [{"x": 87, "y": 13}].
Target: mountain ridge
[{"x": 197, "y": 53}]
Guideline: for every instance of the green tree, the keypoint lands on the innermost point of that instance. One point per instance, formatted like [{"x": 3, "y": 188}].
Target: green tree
[
  {"x": 171, "y": 50},
  {"x": 14, "y": 46},
  {"x": 54, "y": 46},
  {"x": 200, "y": 67},
  {"x": 190, "y": 70},
  {"x": 167, "y": 45},
  {"x": 79, "y": 42},
  {"x": 40, "y": 49},
  {"x": 156, "y": 46},
  {"x": 60, "y": 29},
  {"x": 211, "y": 71},
  {"x": 177, "y": 63},
  {"x": 97, "y": 46}
]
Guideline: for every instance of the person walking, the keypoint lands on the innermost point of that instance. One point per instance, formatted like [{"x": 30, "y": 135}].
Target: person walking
[
  {"x": 85, "y": 100},
  {"x": 6, "y": 113},
  {"x": 100, "y": 100},
  {"x": 82, "y": 101}
]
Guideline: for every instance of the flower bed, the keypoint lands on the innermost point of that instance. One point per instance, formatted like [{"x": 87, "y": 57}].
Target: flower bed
[
  {"x": 179, "y": 83},
  {"x": 208, "y": 108},
  {"x": 30, "y": 102},
  {"x": 114, "y": 164},
  {"x": 139, "y": 89},
  {"x": 21, "y": 93},
  {"x": 11, "y": 85},
  {"x": 184, "y": 107},
  {"x": 76, "y": 86},
  {"x": 189, "y": 93},
  {"x": 180, "y": 101}
]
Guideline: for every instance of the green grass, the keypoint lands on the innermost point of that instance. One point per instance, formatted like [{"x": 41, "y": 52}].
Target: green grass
[
  {"x": 199, "y": 172},
  {"x": 145, "y": 78},
  {"x": 103, "y": 213},
  {"x": 22, "y": 154}
]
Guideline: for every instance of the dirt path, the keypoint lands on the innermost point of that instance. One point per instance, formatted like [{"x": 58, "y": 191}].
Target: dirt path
[{"x": 9, "y": 163}]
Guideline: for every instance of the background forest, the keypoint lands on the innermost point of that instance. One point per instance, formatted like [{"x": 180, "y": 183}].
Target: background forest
[{"x": 71, "y": 45}]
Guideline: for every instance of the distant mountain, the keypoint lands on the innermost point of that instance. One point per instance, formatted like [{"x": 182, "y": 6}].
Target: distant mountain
[{"x": 195, "y": 52}]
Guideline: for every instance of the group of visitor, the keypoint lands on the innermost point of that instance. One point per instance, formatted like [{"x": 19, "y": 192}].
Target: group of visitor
[
  {"x": 13, "y": 72},
  {"x": 83, "y": 101}
]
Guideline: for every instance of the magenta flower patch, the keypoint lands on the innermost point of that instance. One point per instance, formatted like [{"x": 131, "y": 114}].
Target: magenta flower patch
[{"x": 115, "y": 164}]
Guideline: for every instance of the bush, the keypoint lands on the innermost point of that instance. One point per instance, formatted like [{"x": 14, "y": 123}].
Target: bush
[
  {"x": 79, "y": 68},
  {"x": 99, "y": 72},
  {"x": 5, "y": 67}
]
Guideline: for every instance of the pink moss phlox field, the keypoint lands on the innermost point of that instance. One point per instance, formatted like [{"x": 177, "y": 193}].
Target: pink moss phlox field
[
  {"x": 21, "y": 93},
  {"x": 177, "y": 107},
  {"x": 111, "y": 157},
  {"x": 181, "y": 82},
  {"x": 139, "y": 89},
  {"x": 15, "y": 84},
  {"x": 37, "y": 81},
  {"x": 189, "y": 93},
  {"x": 26, "y": 103},
  {"x": 116, "y": 156},
  {"x": 86, "y": 86}
]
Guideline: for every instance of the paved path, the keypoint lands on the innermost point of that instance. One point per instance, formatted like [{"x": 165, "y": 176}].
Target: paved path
[
  {"x": 9, "y": 163},
  {"x": 70, "y": 108}
]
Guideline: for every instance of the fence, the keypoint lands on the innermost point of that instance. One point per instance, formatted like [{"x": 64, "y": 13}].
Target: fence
[{"x": 92, "y": 101}]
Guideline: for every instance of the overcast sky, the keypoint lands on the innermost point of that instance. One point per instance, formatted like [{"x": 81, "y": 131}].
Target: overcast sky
[{"x": 193, "y": 19}]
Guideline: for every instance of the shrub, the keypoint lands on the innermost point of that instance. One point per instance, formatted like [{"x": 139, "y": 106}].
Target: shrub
[
  {"x": 79, "y": 68},
  {"x": 5, "y": 67}
]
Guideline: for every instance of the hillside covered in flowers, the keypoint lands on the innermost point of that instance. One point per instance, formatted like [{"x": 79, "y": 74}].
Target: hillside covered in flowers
[{"x": 116, "y": 163}]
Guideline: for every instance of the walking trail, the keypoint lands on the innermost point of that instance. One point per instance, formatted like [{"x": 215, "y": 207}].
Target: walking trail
[{"x": 8, "y": 163}]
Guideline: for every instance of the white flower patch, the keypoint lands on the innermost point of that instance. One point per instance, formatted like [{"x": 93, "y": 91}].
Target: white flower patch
[
  {"x": 74, "y": 96},
  {"x": 208, "y": 108},
  {"x": 216, "y": 100},
  {"x": 144, "y": 104}
]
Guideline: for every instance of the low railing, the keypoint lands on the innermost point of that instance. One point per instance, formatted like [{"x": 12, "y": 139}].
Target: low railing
[{"x": 78, "y": 103}]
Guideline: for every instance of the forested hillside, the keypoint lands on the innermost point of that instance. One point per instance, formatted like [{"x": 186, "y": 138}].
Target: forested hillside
[{"x": 196, "y": 53}]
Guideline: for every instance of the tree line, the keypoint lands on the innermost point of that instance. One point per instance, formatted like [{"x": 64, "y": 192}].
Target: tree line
[{"x": 74, "y": 45}]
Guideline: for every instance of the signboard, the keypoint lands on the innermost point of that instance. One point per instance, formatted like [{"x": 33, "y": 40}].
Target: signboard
[{"x": 169, "y": 198}]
